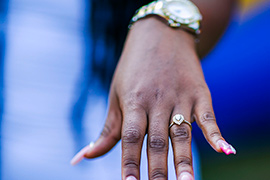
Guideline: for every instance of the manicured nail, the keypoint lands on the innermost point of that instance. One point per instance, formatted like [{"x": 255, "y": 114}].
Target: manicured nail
[
  {"x": 131, "y": 178},
  {"x": 226, "y": 148},
  {"x": 185, "y": 176},
  {"x": 79, "y": 156}
]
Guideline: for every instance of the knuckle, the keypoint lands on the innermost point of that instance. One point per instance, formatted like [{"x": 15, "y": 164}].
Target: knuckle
[
  {"x": 143, "y": 96},
  {"x": 159, "y": 94},
  {"x": 108, "y": 132},
  {"x": 135, "y": 98},
  {"x": 201, "y": 90},
  {"x": 208, "y": 117},
  {"x": 183, "y": 161},
  {"x": 157, "y": 143},
  {"x": 214, "y": 134},
  {"x": 131, "y": 135},
  {"x": 180, "y": 134},
  {"x": 131, "y": 164},
  {"x": 158, "y": 173}
]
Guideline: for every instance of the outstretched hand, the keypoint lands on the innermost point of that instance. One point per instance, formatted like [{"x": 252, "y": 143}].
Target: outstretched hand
[{"x": 158, "y": 76}]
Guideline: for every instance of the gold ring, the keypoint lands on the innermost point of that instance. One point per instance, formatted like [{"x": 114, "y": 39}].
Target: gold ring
[{"x": 179, "y": 119}]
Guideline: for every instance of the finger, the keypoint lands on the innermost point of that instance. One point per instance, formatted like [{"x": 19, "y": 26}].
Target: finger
[
  {"x": 111, "y": 132},
  {"x": 133, "y": 131},
  {"x": 205, "y": 118},
  {"x": 110, "y": 135},
  {"x": 157, "y": 143},
  {"x": 80, "y": 155},
  {"x": 181, "y": 141}
]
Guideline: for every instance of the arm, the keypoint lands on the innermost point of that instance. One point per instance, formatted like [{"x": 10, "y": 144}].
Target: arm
[
  {"x": 159, "y": 75},
  {"x": 216, "y": 16}
]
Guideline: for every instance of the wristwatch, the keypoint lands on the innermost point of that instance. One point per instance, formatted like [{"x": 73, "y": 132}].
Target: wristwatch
[{"x": 176, "y": 13}]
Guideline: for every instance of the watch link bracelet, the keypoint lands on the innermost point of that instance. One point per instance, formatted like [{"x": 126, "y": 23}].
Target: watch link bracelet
[{"x": 176, "y": 13}]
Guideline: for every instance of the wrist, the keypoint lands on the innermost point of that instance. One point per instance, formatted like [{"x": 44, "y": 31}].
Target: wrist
[{"x": 151, "y": 32}]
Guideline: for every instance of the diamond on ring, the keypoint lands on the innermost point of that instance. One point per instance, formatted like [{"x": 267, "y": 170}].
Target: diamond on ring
[{"x": 179, "y": 119}]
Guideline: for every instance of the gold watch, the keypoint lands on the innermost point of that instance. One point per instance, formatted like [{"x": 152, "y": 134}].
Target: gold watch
[{"x": 176, "y": 13}]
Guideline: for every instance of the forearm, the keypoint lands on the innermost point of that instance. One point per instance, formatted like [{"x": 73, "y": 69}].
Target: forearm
[{"x": 216, "y": 15}]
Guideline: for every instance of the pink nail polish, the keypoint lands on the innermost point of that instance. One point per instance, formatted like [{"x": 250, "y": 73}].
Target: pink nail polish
[
  {"x": 185, "y": 176},
  {"x": 79, "y": 156},
  {"x": 131, "y": 178},
  {"x": 226, "y": 148}
]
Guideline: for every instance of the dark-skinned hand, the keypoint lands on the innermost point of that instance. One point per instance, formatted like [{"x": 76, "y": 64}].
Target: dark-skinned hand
[{"x": 158, "y": 76}]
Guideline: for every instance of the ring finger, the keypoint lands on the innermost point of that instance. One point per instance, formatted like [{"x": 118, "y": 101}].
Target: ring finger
[{"x": 181, "y": 141}]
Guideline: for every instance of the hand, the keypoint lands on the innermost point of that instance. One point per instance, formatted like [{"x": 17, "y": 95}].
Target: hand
[{"x": 158, "y": 75}]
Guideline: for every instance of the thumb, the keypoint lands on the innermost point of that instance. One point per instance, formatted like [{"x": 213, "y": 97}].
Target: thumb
[{"x": 108, "y": 138}]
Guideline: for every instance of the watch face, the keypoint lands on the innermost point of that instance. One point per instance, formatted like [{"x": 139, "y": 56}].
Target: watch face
[
  {"x": 180, "y": 10},
  {"x": 183, "y": 11}
]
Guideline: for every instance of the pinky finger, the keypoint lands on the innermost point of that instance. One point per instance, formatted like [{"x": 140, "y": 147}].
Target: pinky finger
[{"x": 205, "y": 118}]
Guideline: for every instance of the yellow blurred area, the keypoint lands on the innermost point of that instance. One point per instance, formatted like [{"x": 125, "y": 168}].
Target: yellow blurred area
[{"x": 248, "y": 4}]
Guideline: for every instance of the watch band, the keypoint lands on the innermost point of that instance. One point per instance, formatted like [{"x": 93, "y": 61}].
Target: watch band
[{"x": 156, "y": 8}]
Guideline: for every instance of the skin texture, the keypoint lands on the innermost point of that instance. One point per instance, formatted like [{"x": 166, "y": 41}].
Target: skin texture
[{"x": 159, "y": 75}]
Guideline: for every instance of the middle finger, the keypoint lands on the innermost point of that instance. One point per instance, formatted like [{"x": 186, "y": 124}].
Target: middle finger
[{"x": 158, "y": 140}]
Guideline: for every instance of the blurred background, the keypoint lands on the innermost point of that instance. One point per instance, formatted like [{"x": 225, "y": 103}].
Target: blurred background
[
  {"x": 56, "y": 63},
  {"x": 238, "y": 74}
]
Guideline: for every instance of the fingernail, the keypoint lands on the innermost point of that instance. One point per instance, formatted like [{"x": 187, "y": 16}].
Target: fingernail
[
  {"x": 185, "y": 176},
  {"x": 79, "y": 156},
  {"x": 226, "y": 148},
  {"x": 131, "y": 178}
]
